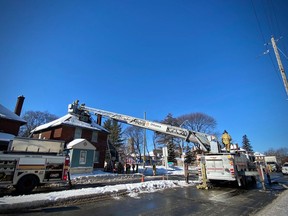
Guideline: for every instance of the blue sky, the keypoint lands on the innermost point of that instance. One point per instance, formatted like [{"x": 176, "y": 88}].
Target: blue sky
[{"x": 157, "y": 57}]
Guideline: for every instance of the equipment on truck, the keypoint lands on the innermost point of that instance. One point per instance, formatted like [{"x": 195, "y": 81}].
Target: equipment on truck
[
  {"x": 32, "y": 162},
  {"x": 215, "y": 165}
]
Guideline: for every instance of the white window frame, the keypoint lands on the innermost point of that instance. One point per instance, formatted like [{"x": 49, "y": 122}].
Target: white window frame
[
  {"x": 94, "y": 136},
  {"x": 82, "y": 157},
  {"x": 78, "y": 133},
  {"x": 96, "y": 156}
]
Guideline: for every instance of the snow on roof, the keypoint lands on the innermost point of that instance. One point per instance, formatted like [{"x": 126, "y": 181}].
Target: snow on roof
[
  {"x": 80, "y": 144},
  {"x": 72, "y": 120},
  {"x": 7, "y": 114},
  {"x": 258, "y": 154}
]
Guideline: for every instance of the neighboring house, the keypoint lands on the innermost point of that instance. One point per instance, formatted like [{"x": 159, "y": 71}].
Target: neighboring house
[
  {"x": 70, "y": 127},
  {"x": 10, "y": 123},
  {"x": 259, "y": 157},
  {"x": 82, "y": 155}
]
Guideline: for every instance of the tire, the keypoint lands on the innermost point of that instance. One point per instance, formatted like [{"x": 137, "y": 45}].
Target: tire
[{"x": 26, "y": 184}]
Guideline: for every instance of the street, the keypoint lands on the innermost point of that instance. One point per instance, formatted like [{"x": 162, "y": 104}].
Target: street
[{"x": 224, "y": 200}]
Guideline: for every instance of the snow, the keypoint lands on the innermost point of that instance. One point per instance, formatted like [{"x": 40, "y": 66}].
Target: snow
[
  {"x": 8, "y": 203},
  {"x": 7, "y": 114},
  {"x": 70, "y": 119}
]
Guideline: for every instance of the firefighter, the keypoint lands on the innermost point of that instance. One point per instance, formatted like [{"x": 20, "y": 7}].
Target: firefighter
[{"x": 226, "y": 139}]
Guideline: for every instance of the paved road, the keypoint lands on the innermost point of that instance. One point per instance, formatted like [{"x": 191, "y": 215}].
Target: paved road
[
  {"x": 184, "y": 201},
  {"x": 180, "y": 201}
]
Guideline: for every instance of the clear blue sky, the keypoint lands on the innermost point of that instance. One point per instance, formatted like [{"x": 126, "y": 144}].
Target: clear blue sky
[{"x": 157, "y": 57}]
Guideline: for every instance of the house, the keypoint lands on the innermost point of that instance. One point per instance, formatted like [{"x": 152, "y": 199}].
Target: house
[
  {"x": 10, "y": 123},
  {"x": 70, "y": 127},
  {"x": 82, "y": 155}
]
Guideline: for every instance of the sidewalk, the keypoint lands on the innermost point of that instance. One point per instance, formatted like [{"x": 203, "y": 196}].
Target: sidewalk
[{"x": 277, "y": 207}]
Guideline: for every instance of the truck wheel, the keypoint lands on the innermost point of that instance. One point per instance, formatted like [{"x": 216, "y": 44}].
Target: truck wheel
[{"x": 26, "y": 184}]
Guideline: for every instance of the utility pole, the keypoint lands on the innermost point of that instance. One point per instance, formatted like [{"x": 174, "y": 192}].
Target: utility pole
[
  {"x": 144, "y": 143},
  {"x": 281, "y": 68}
]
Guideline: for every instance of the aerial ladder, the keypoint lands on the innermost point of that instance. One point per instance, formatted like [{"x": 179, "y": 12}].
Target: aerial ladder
[{"x": 204, "y": 142}]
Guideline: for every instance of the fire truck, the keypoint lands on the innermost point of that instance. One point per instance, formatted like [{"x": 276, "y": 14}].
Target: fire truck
[
  {"x": 214, "y": 165},
  {"x": 29, "y": 163}
]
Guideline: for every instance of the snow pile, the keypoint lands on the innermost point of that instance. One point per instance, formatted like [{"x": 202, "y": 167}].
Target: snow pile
[
  {"x": 9, "y": 203},
  {"x": 99, "y": 176}
]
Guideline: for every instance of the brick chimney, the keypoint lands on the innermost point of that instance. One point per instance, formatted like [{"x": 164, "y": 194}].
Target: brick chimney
[
  {"x": 99, "y": 119},
  {"x": 19, "y": 104}
]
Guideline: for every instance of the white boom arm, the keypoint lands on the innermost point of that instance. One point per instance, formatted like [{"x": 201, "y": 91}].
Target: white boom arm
[{"x": 201, "y": 140}]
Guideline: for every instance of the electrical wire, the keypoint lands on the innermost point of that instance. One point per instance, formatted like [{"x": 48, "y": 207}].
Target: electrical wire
[{"x": 266, "y": 44}]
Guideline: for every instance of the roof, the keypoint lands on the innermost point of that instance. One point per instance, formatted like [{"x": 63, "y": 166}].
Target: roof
[
  {"x": 71, "y": 120},
  {"x": 80, "y": 144},
  {"x": 6, "y": 136},
  {"x": 7, "y": 114}
]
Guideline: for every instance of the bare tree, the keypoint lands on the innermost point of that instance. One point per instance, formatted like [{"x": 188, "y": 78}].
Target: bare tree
[
  {"x": 135, "y": 137},
  {"x": 35, "y": 119},
  {"x": 199, "y": 122},
  {"x": 281, "y": 154}
]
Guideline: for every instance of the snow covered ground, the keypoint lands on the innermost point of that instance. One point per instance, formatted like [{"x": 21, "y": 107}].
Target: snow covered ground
[{"x": 9, "y": 203}]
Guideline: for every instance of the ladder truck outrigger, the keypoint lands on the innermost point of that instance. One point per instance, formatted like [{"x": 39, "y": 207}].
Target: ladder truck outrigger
[{"x": 213, "y": 164}]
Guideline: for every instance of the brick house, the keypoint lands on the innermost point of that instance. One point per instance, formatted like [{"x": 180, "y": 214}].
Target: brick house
[
  {"x": 70, "y": 127},
  {"x": 10, "y": 123}
]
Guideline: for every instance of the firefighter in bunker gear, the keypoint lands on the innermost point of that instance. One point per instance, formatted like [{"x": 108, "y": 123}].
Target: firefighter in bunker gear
[{"x": 226, "y": 139}]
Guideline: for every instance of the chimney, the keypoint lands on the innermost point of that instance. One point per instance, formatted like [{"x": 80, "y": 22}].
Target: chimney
[
  {"x": 19, "y": 104},
  {"x": 99, "y": 119}
]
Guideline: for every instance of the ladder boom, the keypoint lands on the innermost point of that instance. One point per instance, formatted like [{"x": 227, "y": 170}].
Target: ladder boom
[{"x": 200, "y": 139}]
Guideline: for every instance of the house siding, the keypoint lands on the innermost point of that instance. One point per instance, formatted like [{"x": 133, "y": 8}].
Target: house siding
[
  {"x": 8, "y": 126},
  {"x": 76, "y": 156}
]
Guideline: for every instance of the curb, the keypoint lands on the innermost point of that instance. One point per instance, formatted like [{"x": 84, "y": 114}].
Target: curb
[{"x": 22, "y": 207}]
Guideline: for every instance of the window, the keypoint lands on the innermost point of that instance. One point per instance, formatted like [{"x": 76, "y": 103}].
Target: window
[
  {"x": 96, "y": 156},
  {"x": 78, "y": 133},
  {"x": 94, "y": 136},
  {"x": 83, "y": 156}
]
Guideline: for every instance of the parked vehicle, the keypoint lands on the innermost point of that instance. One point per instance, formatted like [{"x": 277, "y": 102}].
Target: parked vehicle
[
  {"x": 285, "y": 168},
  {"x": 29, "y": 163},
  {"x": 272, "y": 162}
]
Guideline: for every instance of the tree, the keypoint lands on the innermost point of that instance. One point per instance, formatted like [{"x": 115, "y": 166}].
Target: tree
[
  {"x": 171, "y": 152},
  {"x": 281, "y": 154},
  {"x": 35, "y": 119},
  {"x": 246, "y": 144},
  {"x": 189, "y": 157},
  {"x": 198, "y": 121},
  {"x": 135, "y": 137},
  {"x": 166, "y": 139},
  {"x": 115, "y": 130}
]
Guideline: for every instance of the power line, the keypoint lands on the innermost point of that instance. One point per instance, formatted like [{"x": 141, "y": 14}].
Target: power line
[
  {"x": 263, "y": 38},
  {"x": 258, "y": 22}
]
